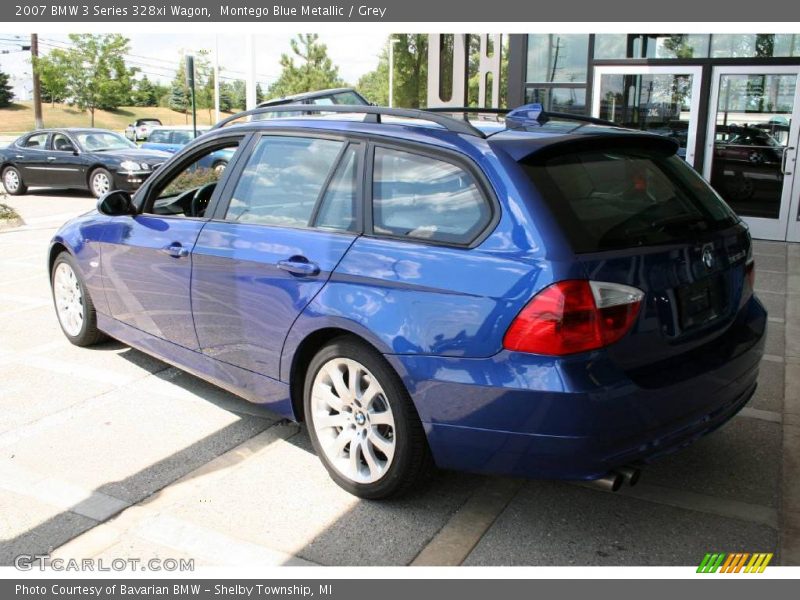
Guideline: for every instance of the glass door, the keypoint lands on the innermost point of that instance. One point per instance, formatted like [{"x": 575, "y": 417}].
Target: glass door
[
  {"x": 663, "y": 100},
  {"x": 751, "y": 148}
]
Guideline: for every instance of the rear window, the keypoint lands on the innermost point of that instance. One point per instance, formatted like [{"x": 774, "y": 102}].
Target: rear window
[{"x": 623, "y": 198}]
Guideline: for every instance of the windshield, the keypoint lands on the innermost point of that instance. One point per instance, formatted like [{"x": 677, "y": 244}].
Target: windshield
[
  {"x": 98, "y": 141},
  {"x": 623, "y": 198}
]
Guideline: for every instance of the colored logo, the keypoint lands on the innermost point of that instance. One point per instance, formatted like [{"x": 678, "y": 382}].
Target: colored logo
[{"x": 735, "y": 562}]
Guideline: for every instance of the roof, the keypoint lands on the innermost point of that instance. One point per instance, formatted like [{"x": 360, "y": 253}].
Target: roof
[{"x": 181, "y": 127}]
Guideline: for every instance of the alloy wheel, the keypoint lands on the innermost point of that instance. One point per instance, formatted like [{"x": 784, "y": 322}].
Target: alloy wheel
[
  {"x": 69, "y": 299},
  {"x": 11, "y": 181},
  {"x": 100, "y": 184},
  {"x": 353, "y": 420}
]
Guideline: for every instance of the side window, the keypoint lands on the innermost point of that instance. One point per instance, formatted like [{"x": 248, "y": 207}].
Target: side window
[
  {"x": 338, "y": 207},
  {"x": 282, "y": 181},
  {"x": 424, "y": 198},
  {"x": 181, "y": 137},
  {"x": 37, "y": 140},
  {"x": 159, "y": 136},
  {"x": 188, "y": 192},
  {"x": 62, "y": 143}
]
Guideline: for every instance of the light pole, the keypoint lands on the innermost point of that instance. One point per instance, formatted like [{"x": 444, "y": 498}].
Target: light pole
[{"x": 392, "y": 42}]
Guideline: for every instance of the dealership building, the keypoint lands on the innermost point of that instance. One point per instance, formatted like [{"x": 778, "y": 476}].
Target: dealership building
[{"x": 731, "y": 101}]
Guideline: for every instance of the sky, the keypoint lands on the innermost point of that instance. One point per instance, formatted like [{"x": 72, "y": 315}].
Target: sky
[{"x": 158, "y": 54}]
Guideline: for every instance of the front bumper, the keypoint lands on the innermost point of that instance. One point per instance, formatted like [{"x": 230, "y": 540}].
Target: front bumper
[
  {"x": 578, "y": 417},
  {"x": 130, "y": 181}
]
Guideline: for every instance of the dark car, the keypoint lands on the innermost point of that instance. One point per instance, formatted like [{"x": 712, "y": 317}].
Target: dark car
[
  {"x": 330, "y": 97},
  {"x": 558, "y": 299},
  {"x": 97, "y": 160}
]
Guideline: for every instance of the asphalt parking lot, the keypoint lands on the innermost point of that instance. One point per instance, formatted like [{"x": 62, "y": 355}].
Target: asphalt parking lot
[{"x": 106, "y": 452}]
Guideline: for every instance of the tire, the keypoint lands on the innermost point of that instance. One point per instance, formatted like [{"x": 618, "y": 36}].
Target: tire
[
  {"x": 74, "y": 309},
  {"x": 392, "y": 455},
  {"x": 12, "y": 181},
  {"x": 100, "y": 182},
  {"x": 219, "y": 167}
]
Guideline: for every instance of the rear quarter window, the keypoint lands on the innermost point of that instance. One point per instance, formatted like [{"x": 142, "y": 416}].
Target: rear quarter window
[
  {"x": 424, "y": 198},
  {"x": 619, "y": 198}
]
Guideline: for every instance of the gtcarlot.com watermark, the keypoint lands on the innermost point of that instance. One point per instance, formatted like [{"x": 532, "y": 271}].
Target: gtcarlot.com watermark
[{"x": 42, "y": 562}]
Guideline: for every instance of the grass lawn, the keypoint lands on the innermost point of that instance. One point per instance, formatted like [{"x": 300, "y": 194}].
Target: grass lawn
[{"x": 18, "y": 117}]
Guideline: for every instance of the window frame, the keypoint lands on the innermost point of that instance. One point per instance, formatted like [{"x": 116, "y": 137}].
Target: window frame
[
  {"x": 147, "y": 194},
  {"x": 452, "y": 157},
  {"x": 43, "y": 148},
  {"x": 219, "y": 214}
]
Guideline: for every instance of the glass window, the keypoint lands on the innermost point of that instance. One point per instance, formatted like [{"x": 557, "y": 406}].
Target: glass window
[
  {"x": 754, "y": 45},
  {"x": 159, "y": 136},
  {"x": 180, "y": 136},
  {"x": 98, "y": 141},
  {"x": 557, "y": 57},
  {"x": 622, "y": 198},
  {"x": 37, "y": 140},
  {"x": 188, "y": 192},
  {"x": 338, "y": 207},
  {"x": 62, "y": 143},
  {"x": 424, "y": 198},
  {"x": 570, "y": 100},
  {"x": 673, "y": 45},
  {"x": 283, "y": 180},
  {"x": 348, "y": 98}
]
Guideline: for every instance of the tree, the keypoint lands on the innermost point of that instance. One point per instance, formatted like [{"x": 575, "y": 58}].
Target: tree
[
  {"x": 6, "y": 93},
  {"x": 146, "y": 93},
  {"x": 179, "y": 99},
  {"x": 52, "y": 69},
  {"x": 309, "y": 69},
  {"x": 410, "y": 73},
  {"x": 95, "y": 71}
]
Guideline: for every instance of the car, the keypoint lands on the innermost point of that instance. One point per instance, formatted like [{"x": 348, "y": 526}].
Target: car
[
  {"x": 97, "y": 160},
  {"x": 140, "y": 129},
  {"x": 172, "y": 139},
  {"x": 328, "y": 97},
  {"x": 547, "y": 297}
]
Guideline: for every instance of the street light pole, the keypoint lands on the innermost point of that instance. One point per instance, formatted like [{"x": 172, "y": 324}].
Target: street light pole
[
  {"x": 392, "y": 42},
  {"x": 216, "y": 78}
]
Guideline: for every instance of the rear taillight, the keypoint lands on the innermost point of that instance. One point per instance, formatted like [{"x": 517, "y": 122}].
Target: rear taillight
[
  {"x": 574, "y": 316},
  {"x": 749, "y": 275}
]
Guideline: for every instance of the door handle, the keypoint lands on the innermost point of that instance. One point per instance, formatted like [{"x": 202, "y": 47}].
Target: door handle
[
  {"x": 20, "y": 156},
  {"x": 299, "y": 265},
  {"x": 786, "y": 151},
  {"x": 176, "y": 250},
  {"x": 51, "y": 158}
]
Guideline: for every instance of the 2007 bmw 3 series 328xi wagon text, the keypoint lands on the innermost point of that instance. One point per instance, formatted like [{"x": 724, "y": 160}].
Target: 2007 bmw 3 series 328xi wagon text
[{"x": 537, "y": 295}]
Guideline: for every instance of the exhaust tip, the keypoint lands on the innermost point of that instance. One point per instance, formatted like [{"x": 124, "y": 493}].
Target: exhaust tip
[
  {"x": 611, "y": 482},
  {"x": 630, "y": 475}
]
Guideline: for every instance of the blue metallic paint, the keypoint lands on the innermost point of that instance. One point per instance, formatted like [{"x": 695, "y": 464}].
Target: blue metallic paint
[{"x": 438, "y": 315}]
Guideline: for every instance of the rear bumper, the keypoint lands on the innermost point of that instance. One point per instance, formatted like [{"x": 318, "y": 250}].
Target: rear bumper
[{"x": 578, "y": 417}]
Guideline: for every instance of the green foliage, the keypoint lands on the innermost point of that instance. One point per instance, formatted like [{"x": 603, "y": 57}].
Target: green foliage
[
  {"x": 6, "y": 93},
  {"x": 308, "y": 69},
  {"x": 53, "y": 81},
  {"x": 180, "y": 99},
  {"x": 410, "y": 73},
  {"x": 95, "y": 71},
  {"x": 146, "y": 93}
]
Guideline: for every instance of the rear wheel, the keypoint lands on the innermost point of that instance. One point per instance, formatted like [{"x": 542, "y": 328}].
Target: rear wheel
[
  {"x": 362, "y": 422},
  {"x": 100, "y": 182},
  {"x": 74, "y": 307},
  {"x": 12, "y": 181}
]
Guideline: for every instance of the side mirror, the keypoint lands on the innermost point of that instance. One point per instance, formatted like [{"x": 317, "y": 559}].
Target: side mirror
[{"x": 115, "y": 203}]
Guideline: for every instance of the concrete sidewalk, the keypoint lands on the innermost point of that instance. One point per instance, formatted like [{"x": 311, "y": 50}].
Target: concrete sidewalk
[{"x": 106, "y": 452}]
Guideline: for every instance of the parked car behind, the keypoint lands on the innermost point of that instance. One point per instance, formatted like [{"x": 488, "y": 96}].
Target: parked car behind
[
  {"x": 172, "y": 138},
  {"x": 97, "y": 160},
  {"x": 140, "y": 129},
  {"x": 561, "y": 299}
]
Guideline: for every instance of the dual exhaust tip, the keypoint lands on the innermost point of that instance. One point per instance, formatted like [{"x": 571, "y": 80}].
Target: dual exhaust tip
[{"x": 615, "y": 479}]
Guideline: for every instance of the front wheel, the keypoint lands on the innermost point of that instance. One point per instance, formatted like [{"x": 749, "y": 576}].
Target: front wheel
[
  {"x": 100, "y": 182},
  {"x": 362, "y": 422},
  {"x": 12, "y": 181},
  {"x": 74, "y": 307}
]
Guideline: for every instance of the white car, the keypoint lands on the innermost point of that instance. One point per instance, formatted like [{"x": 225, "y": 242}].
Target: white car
[{"x": 140, "y": 129}]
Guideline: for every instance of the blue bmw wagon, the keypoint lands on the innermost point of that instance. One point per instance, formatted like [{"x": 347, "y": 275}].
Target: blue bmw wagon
[{"x": 542, "y": 295}]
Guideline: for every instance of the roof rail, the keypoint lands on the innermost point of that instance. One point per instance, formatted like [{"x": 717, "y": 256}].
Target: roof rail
[
  {"x": 526, "y": 112},
  {"x": 373, "y": 115}
]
